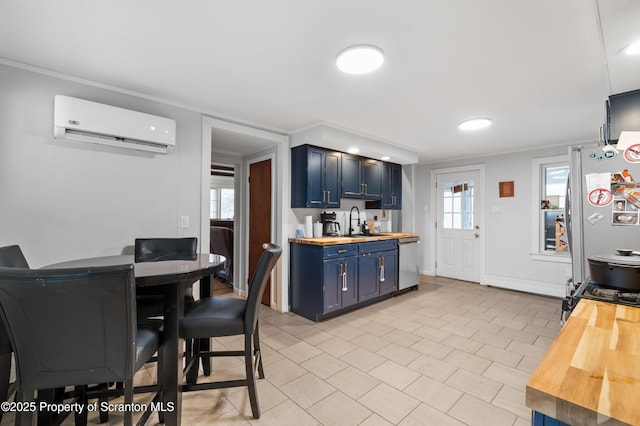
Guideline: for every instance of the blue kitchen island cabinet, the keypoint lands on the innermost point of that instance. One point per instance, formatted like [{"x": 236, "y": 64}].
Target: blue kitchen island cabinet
[{"x": 327, "y": 280}]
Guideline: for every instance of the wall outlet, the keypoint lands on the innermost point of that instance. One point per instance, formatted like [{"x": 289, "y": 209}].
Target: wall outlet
[{"x": 184, "y": 222}]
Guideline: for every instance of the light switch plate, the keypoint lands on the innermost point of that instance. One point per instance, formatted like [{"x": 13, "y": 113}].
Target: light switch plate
[{"x": 184, "y": 221}]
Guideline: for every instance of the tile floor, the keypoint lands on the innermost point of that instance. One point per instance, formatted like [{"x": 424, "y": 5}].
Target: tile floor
[{"x": 451, "y": 353}]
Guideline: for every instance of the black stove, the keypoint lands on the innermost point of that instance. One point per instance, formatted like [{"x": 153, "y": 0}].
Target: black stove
[{"x": 589, "y": 290}]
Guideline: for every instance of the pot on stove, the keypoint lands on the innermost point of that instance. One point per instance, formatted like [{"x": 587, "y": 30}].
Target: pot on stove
[{"x": 619, "y": 271}]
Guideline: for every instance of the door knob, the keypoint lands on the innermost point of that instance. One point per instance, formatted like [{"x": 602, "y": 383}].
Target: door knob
[{"x": 477, "y": 235}]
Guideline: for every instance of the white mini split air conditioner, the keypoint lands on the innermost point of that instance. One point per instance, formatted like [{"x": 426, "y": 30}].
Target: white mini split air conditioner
[{"x": 108, "y": 125}]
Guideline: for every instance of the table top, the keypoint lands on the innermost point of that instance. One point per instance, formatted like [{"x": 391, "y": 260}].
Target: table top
[
  {"x": 155, "y": 273},
  {"x": 592, "y": 369}
]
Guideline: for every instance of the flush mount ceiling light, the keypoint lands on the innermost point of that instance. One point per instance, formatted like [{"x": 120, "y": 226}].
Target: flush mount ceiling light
[
  {"x": 633, "y": 48},
  {"x": 353, "y": 150},
  {"x": 475, "y": 124},
  {"x": 385, "y": 158},
  {"x": 360, "y": 59}
]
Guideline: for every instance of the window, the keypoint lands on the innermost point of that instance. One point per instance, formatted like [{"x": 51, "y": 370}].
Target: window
[
  {"x": 458, "y": 205},
  {"x": 222, "y": 203},
  {"x": 549, "y": 238},
  {"x": 222, "y": 194}
]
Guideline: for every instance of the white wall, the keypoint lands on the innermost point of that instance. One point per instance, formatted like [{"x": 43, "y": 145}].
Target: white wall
[
  {"x": 63, "y": 199},
  {"x": 508, "y": 224}
]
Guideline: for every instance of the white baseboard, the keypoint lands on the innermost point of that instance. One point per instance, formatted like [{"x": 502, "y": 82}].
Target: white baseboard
[{"x": 529, "y": 286}]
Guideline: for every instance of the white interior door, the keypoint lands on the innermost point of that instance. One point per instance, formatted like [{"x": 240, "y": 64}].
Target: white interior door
[{"x": 458, "y": 232}]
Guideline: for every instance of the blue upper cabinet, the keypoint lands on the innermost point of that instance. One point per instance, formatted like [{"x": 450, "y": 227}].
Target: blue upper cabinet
[
  {"x": 391, "y": 188},
  {"x": 361, "y": 177},
  {"x": 315, "y": 177}
]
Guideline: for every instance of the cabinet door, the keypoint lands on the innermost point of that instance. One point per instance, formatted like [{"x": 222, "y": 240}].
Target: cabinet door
[
  {"x": 332, "y": 178},
  {"x": 388, "y": 271},
  {"x": 351, "y": 179},
  {"x": 372, "y": 178},
  {"x": 396, "y": 186},
  {"x": 339, "y": 283},
  {"x": 368, "y": 284},
  {"x": 315, "y": 177}
]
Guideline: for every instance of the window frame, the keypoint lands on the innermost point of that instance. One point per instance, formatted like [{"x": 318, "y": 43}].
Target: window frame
[{"x": 537, "y": 231}]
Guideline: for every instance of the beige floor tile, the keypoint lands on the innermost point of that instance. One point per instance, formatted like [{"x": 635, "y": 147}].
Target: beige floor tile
[
  {"x": 431, "y": 348},
  {"x": 504, "y": 357},
  {"x": 467, "y": 361},
  {"x": 300, "y": 352},
  {"x": 433, "y": 368},
  {"x": 491, "y": 339},
  {"x": 285, "y": 414},
  {"x": 474, "y": 384},
  {"x": 434, "y": 393},
  {"x": 399, "y": 353},
  {"x": 353, "y": 382},
  {"x": 339, "y": 409},
  {"x": 475, "y": 412},
  {"x": 324, "y": 365},
  {"x": 283, "y": 371},
  {"x": 394, "y": 374},
  {"x": 363, "y": 359},
  {"x": 336, "y": 346},
  {"x": 507, "y": 375},
  {"x": 370, "y": 342},
  {"x": 463, "y": 344},
  {"x": 425, "y": 415},
  {"x": 375, "y": 420},
  {"x": 389, "y": 403},
  {"x": 513, "y": 400},
  {"x": 307, "y": 390}
]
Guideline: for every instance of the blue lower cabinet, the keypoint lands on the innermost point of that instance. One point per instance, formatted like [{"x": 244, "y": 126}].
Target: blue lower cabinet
[
  {"x": 327, "y": 280},
  {"x": 539, "y": 419},
  {"x": 339, "y": 282}
]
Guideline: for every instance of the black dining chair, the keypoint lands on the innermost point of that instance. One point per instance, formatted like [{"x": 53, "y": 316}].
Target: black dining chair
[
  {"x": 75, "y": 327},
  {"x": 229, "y": 316},
  {"x": 10, "y": 257},
  {"x": 149, "y": 303}
]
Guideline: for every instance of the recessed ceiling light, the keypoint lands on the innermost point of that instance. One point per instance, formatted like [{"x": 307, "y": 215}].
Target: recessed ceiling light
[
  {"x": 353, "y": 150},
  {"x": 633, "y": 48},
  {"x": 360, "y": 59},
  {"x": 385, "y": 158},
  {"x": 475, "y": 124}
]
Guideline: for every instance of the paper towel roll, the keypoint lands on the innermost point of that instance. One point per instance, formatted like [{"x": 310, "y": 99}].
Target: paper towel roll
[
  {"x": 308, "y": 227},
  {"x": 317, "y": 230}
]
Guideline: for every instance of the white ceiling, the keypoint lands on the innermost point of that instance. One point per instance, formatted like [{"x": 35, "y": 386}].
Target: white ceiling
[{"x": 541, "y": 69}]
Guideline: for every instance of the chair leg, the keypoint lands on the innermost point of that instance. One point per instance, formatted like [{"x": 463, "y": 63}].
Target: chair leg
[
  {"x": 191, "y": 362},
  {"x": 81, "y": 397},
  {"x": 257, "y": 352},
  {"x": 251, "y": 377},
  {"x": 5, "y": 373},
  {"x": 128, "y": 401},
  {"x": 25, "y": 417},
  {"x": 205, "y": 346}
]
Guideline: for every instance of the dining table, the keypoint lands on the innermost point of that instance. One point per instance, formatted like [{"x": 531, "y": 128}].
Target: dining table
[{"x": 171, "y": 278}]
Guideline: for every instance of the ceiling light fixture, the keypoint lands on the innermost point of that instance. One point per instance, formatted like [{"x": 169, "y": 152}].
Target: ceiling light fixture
[
  {"x": 360, "y": 59},
  {"x": 353, "y": 150},
  {"x": 475, "y": 124},
  {"x": 385, "y": 158},
  {"x": 633, "y": 48}
]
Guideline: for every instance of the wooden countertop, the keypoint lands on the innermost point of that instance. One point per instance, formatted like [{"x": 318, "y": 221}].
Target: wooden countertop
[
  {"x": 327, "y": 241},
  {"x": 591, "y": 372}
]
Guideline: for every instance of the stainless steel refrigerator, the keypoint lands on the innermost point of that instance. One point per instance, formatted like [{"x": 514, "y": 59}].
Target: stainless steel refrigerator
[{"x": 603, "y": 204}]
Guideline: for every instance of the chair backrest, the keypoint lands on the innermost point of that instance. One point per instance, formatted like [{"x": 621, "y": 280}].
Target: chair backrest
[
  {"x": 258, "y": 283},
  {"x": 158, "y": 249},
  {"x": 70, "y": 326},
  {"x": 221, "y": 241},
  {"x": 10, "y": 257}
]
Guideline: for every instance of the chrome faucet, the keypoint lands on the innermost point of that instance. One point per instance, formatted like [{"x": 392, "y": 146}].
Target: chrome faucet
[{"x": 350, "y": 223}]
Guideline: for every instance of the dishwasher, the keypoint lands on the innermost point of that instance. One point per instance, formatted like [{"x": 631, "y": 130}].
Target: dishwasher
[{"x": 408, "y": 275}]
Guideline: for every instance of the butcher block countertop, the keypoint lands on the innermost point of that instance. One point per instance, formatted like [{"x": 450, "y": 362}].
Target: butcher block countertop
[
  {"x": 591, "y": 373},
  {"x": 327, "y": 241}
]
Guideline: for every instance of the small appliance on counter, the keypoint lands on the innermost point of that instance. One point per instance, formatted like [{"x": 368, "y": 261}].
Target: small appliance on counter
[{"x": 330, "y": 227}]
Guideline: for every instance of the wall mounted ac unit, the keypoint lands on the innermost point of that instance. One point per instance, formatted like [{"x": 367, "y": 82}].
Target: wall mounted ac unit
[{"x": 108, "y": 125}]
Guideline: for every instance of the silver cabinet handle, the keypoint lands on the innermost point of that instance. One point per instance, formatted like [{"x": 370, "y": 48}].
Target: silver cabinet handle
[
  {"x": 344, "y": 277},
  {"x": 381, "y": 263},
  {"x": 328, "y": 196}
]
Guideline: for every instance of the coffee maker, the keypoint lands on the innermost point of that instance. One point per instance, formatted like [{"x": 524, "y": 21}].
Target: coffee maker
[{"x": 330, "y": 228}]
